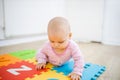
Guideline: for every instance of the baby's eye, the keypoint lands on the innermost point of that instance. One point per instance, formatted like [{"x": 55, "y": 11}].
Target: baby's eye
[
  {"x": 52, "y": 41},
  {"x": 61, "y": 42}
]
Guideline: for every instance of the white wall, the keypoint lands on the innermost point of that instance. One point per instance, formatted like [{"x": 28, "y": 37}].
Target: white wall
[
  {"x": 26, "y": 17},
  {"x": 111, "y": 27},
  {"x": 86, "y": 18},
  {"x": 91, "y": 20}
]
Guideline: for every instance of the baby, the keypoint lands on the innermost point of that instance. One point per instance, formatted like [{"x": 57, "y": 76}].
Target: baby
[{"x": 60, "y": 48}]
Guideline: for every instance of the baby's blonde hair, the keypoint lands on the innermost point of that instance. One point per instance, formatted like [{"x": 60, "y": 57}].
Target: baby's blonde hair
[{"x": 58, "y": 23}]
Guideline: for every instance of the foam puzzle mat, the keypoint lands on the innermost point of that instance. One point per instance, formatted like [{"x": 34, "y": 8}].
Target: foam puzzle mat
[{"x": 20, "y": 65}]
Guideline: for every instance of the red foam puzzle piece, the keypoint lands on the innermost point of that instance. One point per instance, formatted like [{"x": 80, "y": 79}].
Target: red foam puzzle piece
[{"x": 6, "y": 75}]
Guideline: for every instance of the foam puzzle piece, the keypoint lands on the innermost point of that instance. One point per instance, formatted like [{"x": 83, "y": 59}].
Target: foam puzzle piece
[
  {"x": 33, "y": 60},
  {"x": 65, "y": 68},
  {"x": 91, "y": 71},
  {"x": 52, "y": 79},
  {"x": 49, "y": 75},
  {"x": 22, "y": 63},
  {"x": 19, "y": 71},
  {"x": 50, "y": 66},
  {"x": 7, "y": 59},
  {"x": 25, "y": 54}
]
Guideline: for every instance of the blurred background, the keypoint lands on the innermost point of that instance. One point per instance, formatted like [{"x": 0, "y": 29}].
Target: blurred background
[{"x": 90, "y": 20}]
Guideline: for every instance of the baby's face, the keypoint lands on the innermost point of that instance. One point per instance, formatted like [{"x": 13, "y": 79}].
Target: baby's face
[
  {"x": 59, "y": 33},
  {"x": 59, "y": 41}
]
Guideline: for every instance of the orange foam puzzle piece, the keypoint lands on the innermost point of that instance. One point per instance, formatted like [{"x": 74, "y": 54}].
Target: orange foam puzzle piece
[{"x": 6, "y": 59}]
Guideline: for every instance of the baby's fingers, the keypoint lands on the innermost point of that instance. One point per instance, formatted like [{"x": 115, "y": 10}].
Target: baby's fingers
[
  {"x": 43, "y": 66},
  {"x": 69, "y": 75},
  {"x": 39, "y": 66},
  {"x": 74, "y": 76}
]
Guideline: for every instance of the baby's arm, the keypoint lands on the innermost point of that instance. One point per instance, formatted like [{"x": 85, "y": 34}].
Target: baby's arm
[
  {"x": 41, "y": 60},
  {"x": 78, "y": 64}
]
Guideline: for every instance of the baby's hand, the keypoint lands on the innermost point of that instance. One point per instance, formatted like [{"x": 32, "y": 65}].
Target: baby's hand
[
  {"x": 40, "y": 66},
  {"x": 74, "y": 76}
]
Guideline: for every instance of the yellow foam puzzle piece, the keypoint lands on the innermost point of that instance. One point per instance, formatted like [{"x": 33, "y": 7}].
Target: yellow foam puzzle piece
[
  {"x": 33, "y": 60},
  {"x": 49, "y": 75}
]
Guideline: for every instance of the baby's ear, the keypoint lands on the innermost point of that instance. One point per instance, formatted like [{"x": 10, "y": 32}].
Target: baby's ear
[{"x": 70, "y": 35}]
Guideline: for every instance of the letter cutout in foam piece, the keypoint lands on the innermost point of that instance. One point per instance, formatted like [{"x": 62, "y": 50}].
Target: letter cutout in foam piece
[{"x": 23, "y": 68}]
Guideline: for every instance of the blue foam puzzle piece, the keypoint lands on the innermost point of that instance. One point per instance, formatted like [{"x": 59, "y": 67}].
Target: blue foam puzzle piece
[
  {"x": 91, "y": 71},
  {"x": 52, "y": 79},
  {"x": 65, "y": 68}
]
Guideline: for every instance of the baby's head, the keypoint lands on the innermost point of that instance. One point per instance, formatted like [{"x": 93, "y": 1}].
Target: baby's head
[{"x": 59, "y": 32}]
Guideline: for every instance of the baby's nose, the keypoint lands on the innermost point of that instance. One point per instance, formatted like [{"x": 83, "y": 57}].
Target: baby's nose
[{"x": 56, "y": 44}]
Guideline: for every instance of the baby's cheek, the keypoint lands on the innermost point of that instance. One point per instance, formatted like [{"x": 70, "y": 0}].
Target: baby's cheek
[
  {"x": 64, "y": 46},
  {"x": 52, "y": 45}
]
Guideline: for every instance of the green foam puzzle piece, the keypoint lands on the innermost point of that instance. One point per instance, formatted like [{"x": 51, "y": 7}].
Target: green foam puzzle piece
[{"x": 24, "y": 54}]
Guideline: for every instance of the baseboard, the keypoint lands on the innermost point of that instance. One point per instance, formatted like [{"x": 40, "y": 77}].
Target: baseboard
[
  {"x": 14, "y": 41},
  {"x": 111, "y": 43}
]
